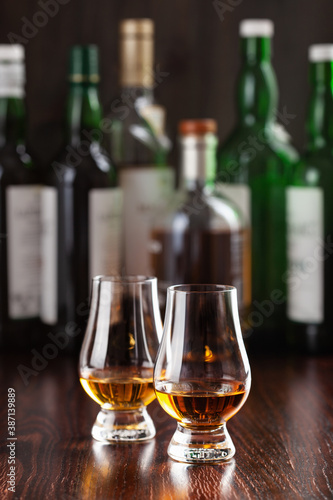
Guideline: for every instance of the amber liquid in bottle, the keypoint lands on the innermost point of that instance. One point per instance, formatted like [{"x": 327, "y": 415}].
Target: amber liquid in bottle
[
  {"x": 204, "y": 256},
  {"x": 120, "y": 388},
  {"x": 194, "y": 404},
  {"x": 197, "y": 256}
]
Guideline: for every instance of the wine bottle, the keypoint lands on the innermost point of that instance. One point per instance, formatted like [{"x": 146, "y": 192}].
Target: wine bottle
[
  {"x": 19, "y": 209},
  {"x": 81, "y": 207},
  {"x": 205, "y": 238},
  {"x": 138, "y": 142},
  {"x": 310, "y": 218},
  {"x": 254, "y": 167}
]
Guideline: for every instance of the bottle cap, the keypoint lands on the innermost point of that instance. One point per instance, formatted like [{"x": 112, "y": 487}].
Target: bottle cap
[
  {"x": 321, "y": 53},
  {"x": 249, "y": 28},
  {"x": 197, "y": 127},
  {"x": 12, "y": 71},
  {"x": 136, "y": 52},
  {"x": 136, "y": 27},
  {"x": 90, "y": 63},
  {"x": 11, "y": 53},
  {"x": 198, "y": 150},
  {"x": 75, "y": 72}
]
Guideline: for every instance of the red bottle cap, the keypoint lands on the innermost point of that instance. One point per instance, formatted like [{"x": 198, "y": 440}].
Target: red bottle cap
[{"x": 197, "y": 127}]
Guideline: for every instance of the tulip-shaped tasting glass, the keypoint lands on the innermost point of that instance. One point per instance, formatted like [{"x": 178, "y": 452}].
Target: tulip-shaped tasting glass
[
  {"x": 202, "y": 374},
  {"x": 118, "y": 354}
]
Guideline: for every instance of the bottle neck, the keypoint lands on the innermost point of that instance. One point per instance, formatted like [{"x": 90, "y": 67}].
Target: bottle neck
[
  {"x": 257, "y": 85},
  {"x": 12, "y": 121},
  {"x": 320, "y": 113},
  {"x": 198, "y": 161},
  {"x": 84, "y": 114},
  {"x": 136, "y": 60}
]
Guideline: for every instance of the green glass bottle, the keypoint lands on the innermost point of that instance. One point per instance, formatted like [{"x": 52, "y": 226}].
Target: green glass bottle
[
  {"x": 254, "y": 166},
  {"x": 19, "y": 210},
  {"x": 310, "y": 218},
  {"x": 81, "y": 207}
]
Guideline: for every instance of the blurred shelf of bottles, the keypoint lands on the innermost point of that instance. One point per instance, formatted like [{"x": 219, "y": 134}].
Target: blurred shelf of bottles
[{"x": 249, "y": 213}]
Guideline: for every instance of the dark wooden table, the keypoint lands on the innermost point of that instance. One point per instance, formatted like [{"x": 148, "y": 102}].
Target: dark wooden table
[{"x": 283, "y": 438}]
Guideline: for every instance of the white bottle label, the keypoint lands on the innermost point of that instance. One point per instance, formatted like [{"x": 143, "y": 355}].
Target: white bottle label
[
  {"x": 305, "y": 218},
  {"x": 147, "y": 191},
  {"x": 105, "y": 211},
  {"x": 23, "y": 253},
  {"x": 239, "y": 194},
  {"x": 49, "y": 255}
]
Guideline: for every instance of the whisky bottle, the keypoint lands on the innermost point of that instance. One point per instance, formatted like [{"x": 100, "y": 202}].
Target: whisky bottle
[
  {"x": 138, "y": 143},
  {"x": 205, "y": 238},
  {"x": 81, "y": 207},
  {"x": 19, "y": 209},
  {"x": 254, "y": 167},
  {"x": 310, "y": 218}
]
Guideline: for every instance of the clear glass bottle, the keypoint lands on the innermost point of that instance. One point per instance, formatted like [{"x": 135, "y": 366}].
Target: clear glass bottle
[
  {"x": 19, "y": 210},
  {"x": 254, "y": 168},
  {"x": 81, "y": 207},
  {"x": 204, "y": 239},
  {"x": 138, "y": 143},
  {"x": 310, "y": 218}
]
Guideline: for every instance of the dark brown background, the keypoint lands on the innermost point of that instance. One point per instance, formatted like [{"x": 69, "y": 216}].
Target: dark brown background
[{"x": 196, "y": 48}]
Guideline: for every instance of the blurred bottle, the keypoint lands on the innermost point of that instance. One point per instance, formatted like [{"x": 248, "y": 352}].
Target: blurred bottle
[
  {"x": 310, "y": 217},
  {"x": 81, "y": 207},
  {"x": 254, "y": 166},
  {"x": 138, "y": 143},
  {"x": 19, "y": 209},
  {"x": 204, "y": 239}
]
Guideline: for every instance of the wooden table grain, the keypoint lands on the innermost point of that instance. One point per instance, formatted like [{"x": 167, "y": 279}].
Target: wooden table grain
[{"x": 283, "y": 438}]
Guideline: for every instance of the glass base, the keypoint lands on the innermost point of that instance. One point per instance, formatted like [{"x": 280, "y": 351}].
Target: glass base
[
  {"x": 116, "y": 426},
  {"x": 201, "y": 446}
]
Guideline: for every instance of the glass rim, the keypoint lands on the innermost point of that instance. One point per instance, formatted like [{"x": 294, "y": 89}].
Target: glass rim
[
  {"x": 201, "y": 288},
  {"x": 131, "y": 279}
]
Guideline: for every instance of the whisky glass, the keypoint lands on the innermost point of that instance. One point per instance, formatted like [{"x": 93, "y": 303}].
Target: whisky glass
[
  {"x": 118, "y": 354},
  {"x": 202, "y": 375}
]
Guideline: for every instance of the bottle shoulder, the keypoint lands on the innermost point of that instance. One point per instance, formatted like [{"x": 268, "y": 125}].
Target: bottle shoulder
[
  {"x": 253, "y": 152},
  {"x": 16, "y": 167},
  {"x": 202, "y": 210},
  {"x": 128, "y": 102},
  {"x": 315, "y": 169},
  {"x": 225, "y": 209},
  {"x": 281, "y": 143},
  {"x": 74, "y": 166},
  {"x": 136, "y": 131},
  {"x": 257, "y": 139}
]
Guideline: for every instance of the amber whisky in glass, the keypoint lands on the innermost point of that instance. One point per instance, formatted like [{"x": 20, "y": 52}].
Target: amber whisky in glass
[
  {"x": 202, "y": 374},
  {"x": 201, "y": 407},
  {"x": 118, "y": 354},
  {"x": 123, "y": 389}
]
